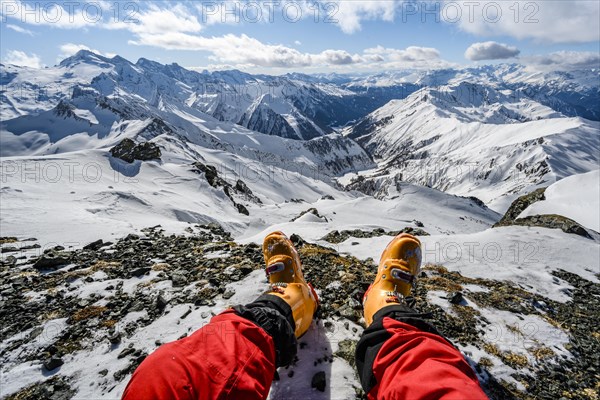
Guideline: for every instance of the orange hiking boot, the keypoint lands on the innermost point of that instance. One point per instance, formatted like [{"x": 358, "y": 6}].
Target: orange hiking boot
[
  {"x": 284, "y": 271},
  {"x": 397, "y": 273}
]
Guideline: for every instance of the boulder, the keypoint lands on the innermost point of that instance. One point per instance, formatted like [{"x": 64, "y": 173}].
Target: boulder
[{"x": 128, "y": 151}]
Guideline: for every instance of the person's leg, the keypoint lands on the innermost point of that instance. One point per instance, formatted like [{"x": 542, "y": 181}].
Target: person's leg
[
  {"x": 236, "y": 354},
  {"x": 400, "y": 356}
]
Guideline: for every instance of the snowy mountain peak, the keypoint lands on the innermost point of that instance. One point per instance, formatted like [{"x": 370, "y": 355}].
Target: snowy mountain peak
[{"x": 87, "y": 57}]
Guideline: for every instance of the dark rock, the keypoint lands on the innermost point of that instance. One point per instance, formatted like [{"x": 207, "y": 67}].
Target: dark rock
[
  {"x": 53, "y": 362},
  {"x": 114, "y": 337},
  {"x": 94, "y": 245},
  {"x": 9, "y": 249},
  {"x": 161, "y": 302},
  {"x": 340, "y": 236},
  {"x": 128, "y": 151},
  {"x": 478, "y": 202},
  {"x": 290, "y": 374},
  {"x": 242, "y": 209},
  {"x": 178, "y": 279},
  {"x": 228, "y": 294},
  {"x": 319, "y": 381},
  {"x": 52, "y": 259},
  {"x": 347, "y": 350},
  {"x": 211, "y": 175},
  {"x": 456, "y": 298},
  {"x": 553, "y": 221},
  {"x": 185, "y": 314},
  {"x": 418, "y": 223},
  {"x": 242, "y": 189},
  {"x": 35, "y": 332},
  {"x": 30, "y": 247},
  {"x": 125, "y": 352},
  {"x": 327, "y": 197},
  {"x": 296, "y": 240},
  {"x": 519, "y": 205},
  {"x": 140, "y": 271},
  {"x": 311, "y": 210}
]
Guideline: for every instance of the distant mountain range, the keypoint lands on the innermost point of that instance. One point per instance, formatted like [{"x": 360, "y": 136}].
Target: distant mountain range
[{"x": 488, "y": 131}]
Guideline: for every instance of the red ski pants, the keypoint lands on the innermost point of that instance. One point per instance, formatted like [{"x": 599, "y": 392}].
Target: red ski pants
[{"x": 234, "y": 358}]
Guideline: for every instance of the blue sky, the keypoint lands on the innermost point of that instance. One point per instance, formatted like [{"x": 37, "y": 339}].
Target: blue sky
[{"x": 307, "y": 36}]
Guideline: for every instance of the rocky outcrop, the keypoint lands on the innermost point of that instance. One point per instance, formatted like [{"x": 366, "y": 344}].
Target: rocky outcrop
[
  {"x": 340, "y": 236},
  {"x": 240, "y": 190},
  {"x": 551, "y": 221},
  {"x": 519, "y": 205},
  {"x": 128, "y": 151},
  {"x": 312, "y": 211}
]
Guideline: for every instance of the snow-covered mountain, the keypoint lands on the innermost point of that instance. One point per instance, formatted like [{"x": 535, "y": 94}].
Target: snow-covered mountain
[
  {"x": 471, "y": 139},
  {"x": 105, "y": 256}
]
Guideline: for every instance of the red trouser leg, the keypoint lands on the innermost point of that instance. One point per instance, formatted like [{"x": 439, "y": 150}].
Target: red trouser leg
[
  {"x": 400, "y": 356},
  {"x": 231, "y": 357},
  {"x": 413, "y": 364}
]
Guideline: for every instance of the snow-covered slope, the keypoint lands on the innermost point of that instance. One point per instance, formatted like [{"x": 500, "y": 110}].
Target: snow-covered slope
[
  {"x": 576, "y": 197},
  {"x": 470, "y": 139}
]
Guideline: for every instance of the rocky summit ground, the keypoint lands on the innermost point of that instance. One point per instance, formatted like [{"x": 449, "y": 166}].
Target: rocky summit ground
[{"x": 60, "y": 305}]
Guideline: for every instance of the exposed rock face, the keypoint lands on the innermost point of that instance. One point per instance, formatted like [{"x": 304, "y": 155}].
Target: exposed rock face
[
  {"x": 239, "y": 190},
  {"x": 519, "y": 205},
  {"x": 552, "y": 221},
  {"x": 312, "y": 211},
  {"x": 340, "y": 236},
  {"x": 127, "y": 150},
  {"x": 51, "y": 260}
]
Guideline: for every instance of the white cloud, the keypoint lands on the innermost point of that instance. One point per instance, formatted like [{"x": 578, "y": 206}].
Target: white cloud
[
  {"x": 349, "y": 14},
  {"x": 156, "y": 21},
  {"x": 68, "y": 49},
  {"x": 564, "y": 60},
  {"x": 19, "y": 29},
  {"x": 297, "y": 43},
  {"x": 21, "y": 58},
  {"x": 490, "y": 51},
  {"x": 338, "y": 57},
  {"x": 575, "y": 21},
  {"x": 413, "y": 57}
]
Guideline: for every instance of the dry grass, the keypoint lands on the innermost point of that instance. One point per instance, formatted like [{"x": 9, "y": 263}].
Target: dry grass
[
  {"x": 542, "y": 353},
  {"x": 485, "y": 362},
  {"x": 161, "y": 267},
  {"x": 8, "y": 239},
  {"x": 440, "y": 269},
  {"x": 440, "y": 283},
  {"x": 587, "y": 393},
  {"x": 514, "y": 360},
  {"x": 310, "y": 250},
  {"x": 508, "y": 357},
  {"x": 492, "y": 349},
  {"x": 109, "y": 323},
  {"x": 104, "y": 265},
  {"x": 88, "y": 312}
]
